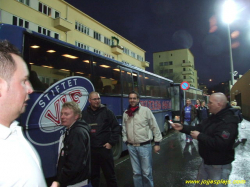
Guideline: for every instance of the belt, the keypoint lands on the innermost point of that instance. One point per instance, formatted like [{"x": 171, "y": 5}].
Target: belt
[{"x": 139, "y": 144}]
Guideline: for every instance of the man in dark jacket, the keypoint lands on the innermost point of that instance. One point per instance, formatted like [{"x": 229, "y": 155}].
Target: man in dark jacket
[
  {"x": 73, "y": 166},
  {"x": 216, "y": 136},
  {"x": 105, "y": 132}
]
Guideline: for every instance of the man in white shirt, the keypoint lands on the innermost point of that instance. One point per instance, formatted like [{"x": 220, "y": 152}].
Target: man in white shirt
[{"x": 19, "y": 162}]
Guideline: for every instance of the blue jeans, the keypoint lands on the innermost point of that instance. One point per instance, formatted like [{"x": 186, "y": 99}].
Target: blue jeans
[
  {"x": 214, "y": 172},
  {"x": 141, "y": 161},
  {"x": 189, "y": 123}
]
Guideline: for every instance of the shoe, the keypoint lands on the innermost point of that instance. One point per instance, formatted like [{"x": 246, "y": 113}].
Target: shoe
[{"x": 243, "y": 140}]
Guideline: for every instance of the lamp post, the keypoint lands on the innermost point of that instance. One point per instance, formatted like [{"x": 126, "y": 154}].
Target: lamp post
[{"x": 229, "y": 15}]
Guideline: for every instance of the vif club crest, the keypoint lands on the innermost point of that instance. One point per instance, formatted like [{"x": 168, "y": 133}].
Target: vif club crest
[{"x": 43, "y": 120}]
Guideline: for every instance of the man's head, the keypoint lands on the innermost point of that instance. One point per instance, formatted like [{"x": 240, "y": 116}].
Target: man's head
[
  {"x": 14, "y": 83},
  {"x": 94, "y": 100},
  {"x": 134, "y": 98},
  {"x": 70, "y": 113},
  {"x": 217, "y": 102},
  {"x": 188, "y": 102}
]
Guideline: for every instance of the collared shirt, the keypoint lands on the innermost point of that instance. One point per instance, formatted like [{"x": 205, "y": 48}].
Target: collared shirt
[{"x": 19, "y": 162}]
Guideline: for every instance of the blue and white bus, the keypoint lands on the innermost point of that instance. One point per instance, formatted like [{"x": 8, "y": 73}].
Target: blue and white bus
[{"x": 61, "y": 72}]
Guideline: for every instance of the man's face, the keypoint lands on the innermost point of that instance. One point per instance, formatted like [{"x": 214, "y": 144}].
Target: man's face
[
  {"x": 133, "y": 100},
  {"x": 94, "y": 101},
  {"x": 68, "y": 117},
  {"x": 188, "y": 102},
  {"x": 213, "y": 105},
  {"x": 15, "y": 92}
]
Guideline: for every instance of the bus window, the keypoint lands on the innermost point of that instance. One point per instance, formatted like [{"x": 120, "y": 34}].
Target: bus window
[
  {"x": 135, "y": 81},
  {"x": 106, "y": 77},
  {"x": 141, "y": 84},
  {"x": 50, "y": 62},
  {"x": 164, "y": 91},
  {"x": 152, "y": 86},
  {"x": 127, "y": 81}
]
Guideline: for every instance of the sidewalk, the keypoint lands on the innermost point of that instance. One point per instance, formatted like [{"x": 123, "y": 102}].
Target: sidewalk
[{"x": 241, "y": 165}]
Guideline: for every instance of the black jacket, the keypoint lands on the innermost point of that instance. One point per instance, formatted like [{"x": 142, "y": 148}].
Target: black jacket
[
  {"x": 104, "y": 126},
  {"x": 200, "y": 109},
  {"x": 217, "y": 137},
  {"x": 74, "y": 160},
  {"x": 193, "y": 113}
]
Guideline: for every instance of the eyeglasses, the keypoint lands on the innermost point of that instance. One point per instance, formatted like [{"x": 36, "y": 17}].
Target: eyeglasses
[{"x": 96, "y": 99}]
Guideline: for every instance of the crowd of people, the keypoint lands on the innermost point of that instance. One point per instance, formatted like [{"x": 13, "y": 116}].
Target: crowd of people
[{"x": 85, "y": 147}]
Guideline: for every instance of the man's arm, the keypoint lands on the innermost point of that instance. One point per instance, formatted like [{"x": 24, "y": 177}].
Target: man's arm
[
  {"x": 124, "y": 131},
  {"x": 115, "y": 128}
]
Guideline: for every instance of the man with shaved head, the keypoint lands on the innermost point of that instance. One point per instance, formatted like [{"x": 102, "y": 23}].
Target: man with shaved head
[{"x": 216, "y": 136}]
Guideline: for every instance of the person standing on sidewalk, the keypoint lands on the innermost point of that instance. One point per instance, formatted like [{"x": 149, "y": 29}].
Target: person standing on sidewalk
[
  {"x": 188, "y": 115},
  {"x": 216, "y": 136},
  {"x": 137, "y": 127},
  {"x": 104, "y": 134}
]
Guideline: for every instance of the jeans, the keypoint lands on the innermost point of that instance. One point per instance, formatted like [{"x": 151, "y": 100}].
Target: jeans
[
  {"x": 214, "y": 172},
  {"x": 102, "y": 158},
  {"x": 141, "y": 161},
  {"x": 189, "y": 123}
]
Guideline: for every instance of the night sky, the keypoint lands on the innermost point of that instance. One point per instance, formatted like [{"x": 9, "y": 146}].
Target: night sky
[{"x": 161, "y": 25}]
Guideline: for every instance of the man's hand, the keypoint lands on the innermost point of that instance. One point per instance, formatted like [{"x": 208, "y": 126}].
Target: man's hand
[
  {"x": 107, "y": 146},
  {"x": 177, "y": 126},
  {"x": 194, "y": 134},
  {"x": 157, "y": 149},
  {"x": 55, "y": 184}
]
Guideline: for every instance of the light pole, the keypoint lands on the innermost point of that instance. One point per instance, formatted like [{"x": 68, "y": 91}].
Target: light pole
[{"x": 229, "y": 15}]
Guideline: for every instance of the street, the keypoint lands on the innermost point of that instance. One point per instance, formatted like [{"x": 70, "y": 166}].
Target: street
[{"x": 178, "y": 161}]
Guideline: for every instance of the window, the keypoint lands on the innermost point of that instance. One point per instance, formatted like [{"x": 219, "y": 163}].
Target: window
[
  {"x": 184, "y": 69},
  {"x": 61, "y": 67},
  {"x": 44, "y": 31},
  {"x": 183, "y": 61},
  {"x": 106, "y": 77},
  {"x": 97, "y": 36},
  {"x": 132, "y": 54},
  {"x": 20, "y": 22},
  {"x": 39, "y": 29},
  {"x": 57, "y": 14},
  {"x": 97, "y": 51},
  {"x": 48, "y": 33},
  {"x": 26, "y": 24},
  {"x": 126, "y": 50},
  {"x": 184, "y": 77},
  {"x": 40, "y": 7},
  {"x": 170, "y": 63},
  {"x": 56, "y": 36},
  {"x": 107, "y": 41},
  {"x": 45, "y": 9},
  {"x": 14, "y": 20},
  {"x": 165, "y": 63},
  {"x": 161, "y": 63},
  {"x": 26, "y": 2},
  {"x": 152, "y": 86}
]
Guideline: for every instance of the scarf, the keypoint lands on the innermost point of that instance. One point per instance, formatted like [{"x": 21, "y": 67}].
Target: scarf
[{"x": 132, "y": 110}]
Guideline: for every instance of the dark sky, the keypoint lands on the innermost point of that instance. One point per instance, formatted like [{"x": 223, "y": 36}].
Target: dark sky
[{"x": 160, "y": 25}]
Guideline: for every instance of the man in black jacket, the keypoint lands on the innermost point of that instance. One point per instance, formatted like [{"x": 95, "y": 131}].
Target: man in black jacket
[
  {"x": 73, "y": 166},
  {"x": 216, "y": 136},
  {"x": 105, "y": 132}
]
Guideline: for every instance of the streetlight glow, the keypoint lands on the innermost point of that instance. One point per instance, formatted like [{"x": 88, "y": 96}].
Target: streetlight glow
[{"x": 229, "y": 11}]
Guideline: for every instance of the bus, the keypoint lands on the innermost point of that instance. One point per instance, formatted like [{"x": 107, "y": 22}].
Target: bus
[{"x": 61, "y": 72}]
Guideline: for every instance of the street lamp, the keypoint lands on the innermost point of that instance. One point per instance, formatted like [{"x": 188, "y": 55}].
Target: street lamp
[{"x": 229, "y": 15}]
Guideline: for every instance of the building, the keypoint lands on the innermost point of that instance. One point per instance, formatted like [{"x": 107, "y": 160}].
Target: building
[
  {"x": 60, "y": 20},
  {"x": 240, "y": 92},
  {"x": 177, "y": 65},
  {"x": 204, "y": 88}
]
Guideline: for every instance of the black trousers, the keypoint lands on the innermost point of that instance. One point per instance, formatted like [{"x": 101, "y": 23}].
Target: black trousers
[{"x": 102, "y": 158}]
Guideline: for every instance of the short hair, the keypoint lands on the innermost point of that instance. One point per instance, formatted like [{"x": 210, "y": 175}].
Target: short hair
[
  {"x": 134, "y": 92},
  {"x": 91, "y": 93},
  {"x": 74, "y": 106},
  {"x": 188, "y": 99},
  {"x": 7, "y": 63},
  {"x": 220, "y": 98}
]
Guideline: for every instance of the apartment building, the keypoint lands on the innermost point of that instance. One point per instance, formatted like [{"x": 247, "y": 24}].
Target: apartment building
[
  {"x": 177, "y": 65},
  {"x": 60, "y": 20}
]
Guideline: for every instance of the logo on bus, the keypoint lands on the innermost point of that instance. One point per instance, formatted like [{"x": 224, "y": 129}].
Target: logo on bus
[{"x": 43, "y": 120}]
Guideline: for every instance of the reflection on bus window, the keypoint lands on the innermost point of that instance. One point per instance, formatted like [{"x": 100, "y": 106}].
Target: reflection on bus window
[
  {"x": 141, "y": 84},
  {"x": 127, "y": 82},
  {"x": 106, "y": 77},
  {"x": 50, "y": 63},
  {"x": 152, "y": 86}
]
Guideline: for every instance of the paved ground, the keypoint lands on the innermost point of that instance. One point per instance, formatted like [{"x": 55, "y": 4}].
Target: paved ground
[{"x": 179, "y": 161}]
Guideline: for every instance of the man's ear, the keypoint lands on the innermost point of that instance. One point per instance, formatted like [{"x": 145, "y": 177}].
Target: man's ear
[{"x": 3, "y": 85}]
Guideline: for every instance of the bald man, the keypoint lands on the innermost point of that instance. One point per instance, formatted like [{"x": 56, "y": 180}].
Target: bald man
[{"x": 216, "y": 136}]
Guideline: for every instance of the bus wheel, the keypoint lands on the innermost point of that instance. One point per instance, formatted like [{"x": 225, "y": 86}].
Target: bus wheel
[{"x": 117, "y": 149}]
